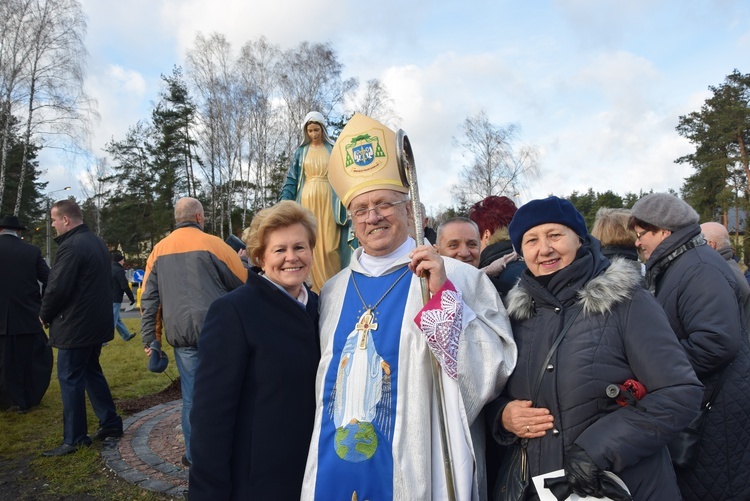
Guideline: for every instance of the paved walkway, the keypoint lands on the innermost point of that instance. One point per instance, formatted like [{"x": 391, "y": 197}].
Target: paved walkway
[{"x": 150, "y": 450}]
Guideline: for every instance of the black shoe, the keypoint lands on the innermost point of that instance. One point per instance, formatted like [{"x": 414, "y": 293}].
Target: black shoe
[
  {"x": 131, "y": 337},
  {"x": 185, "y": 461},
  {"x": 103, "y": 433},
  {"x": 64, "y": 450}
]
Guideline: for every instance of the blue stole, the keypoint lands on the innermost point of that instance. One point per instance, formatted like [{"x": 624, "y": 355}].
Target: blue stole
[{"x": 355, "y": 453}]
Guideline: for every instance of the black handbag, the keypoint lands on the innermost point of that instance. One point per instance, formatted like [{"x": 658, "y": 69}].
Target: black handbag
[
  {"x": 685, "y": 446},
  {"x": 513, "y": 475},
  {"x": 513, "y": 478}
]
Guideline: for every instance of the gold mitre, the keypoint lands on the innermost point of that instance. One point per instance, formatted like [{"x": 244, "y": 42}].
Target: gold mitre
[{"x": 364, "y": 159}]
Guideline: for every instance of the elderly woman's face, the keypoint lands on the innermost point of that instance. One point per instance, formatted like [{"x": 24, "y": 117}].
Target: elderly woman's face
[
  {"x": 549, "y": 247},
  {"x": 287, "y": 258}
]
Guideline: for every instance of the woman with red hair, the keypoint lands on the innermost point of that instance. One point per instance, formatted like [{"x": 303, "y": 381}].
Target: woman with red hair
[{"x": 498, "y": 259}]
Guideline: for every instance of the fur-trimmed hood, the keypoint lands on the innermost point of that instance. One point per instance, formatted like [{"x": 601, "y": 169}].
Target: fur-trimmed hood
[{"x": 618, "y": 283}]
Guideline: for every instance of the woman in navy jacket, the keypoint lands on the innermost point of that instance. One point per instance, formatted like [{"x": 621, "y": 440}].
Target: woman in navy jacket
[
  {"x": 704, "y": 304},
  {"x": 258, "y": 353},
  {"x": 620, "y": 333}
]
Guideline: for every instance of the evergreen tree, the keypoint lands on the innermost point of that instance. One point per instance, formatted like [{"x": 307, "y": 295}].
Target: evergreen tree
[
  {"x": 31, "y": 210},
  {"x": 131, "y": 214},
  {"x": 720, "y": 132}
]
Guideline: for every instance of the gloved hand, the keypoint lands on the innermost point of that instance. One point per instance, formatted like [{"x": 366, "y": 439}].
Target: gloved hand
[
  {"x": 582, "y": 473},
  {"x": 585, "y": 478},
  {"x": 132, "y": 303}
]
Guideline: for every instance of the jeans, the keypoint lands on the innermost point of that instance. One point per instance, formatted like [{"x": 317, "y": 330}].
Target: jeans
[
  {"x": 187, "y": 362},
  {"x": 119, "y": 324},
  {"x": 79, "y": 373}
]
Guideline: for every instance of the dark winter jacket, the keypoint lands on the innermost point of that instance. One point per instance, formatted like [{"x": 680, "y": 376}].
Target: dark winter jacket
[
  {"x": 254, "y": 403},
  {"x": 512, "y": 272},
  {"x": 620, "y": 334},
  {"x": 77, "y": 303},
  {"x": 627, "y": 252},
  {"x": 120, "y": 284},
  {"x": 702, "y": 298},
  {"x": 739, "y": 276},
  {"x": 20, "y": 299}
]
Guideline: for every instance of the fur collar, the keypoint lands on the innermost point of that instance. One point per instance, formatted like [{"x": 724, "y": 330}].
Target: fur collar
[{"x": 598, "y": 296}]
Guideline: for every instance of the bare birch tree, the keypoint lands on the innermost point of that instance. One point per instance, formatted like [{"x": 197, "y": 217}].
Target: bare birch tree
[
  {"x": 498, "y": 165},
  {"x": 310, "y": 79},
  {"x": 206, "y": 64},
  {"x": 257, "y": 66},
  {"x": 56, "y": 103},
  {"x": 95, "y": 187},
  {"x": 14, "y": 52},
  {"x": 375, "y": 102}
]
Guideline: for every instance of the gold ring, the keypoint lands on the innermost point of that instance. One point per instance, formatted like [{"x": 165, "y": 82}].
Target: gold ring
[{"x": 528, "y": 430}]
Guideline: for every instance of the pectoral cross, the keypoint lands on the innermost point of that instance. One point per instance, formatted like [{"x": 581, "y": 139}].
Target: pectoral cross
[{"x": 364, "y": 326}]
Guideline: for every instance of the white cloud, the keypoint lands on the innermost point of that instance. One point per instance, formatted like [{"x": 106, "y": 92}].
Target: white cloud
[
  {"x": 597, "y": 86},
  {"x": 123, "y": 96}
]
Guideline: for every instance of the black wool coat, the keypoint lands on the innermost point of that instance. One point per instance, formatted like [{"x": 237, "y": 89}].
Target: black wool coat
[
  {"x": 77, "y": 302},
  {"x": 254, "y": 396},
  {"x": 703, "y": 302},
  {"x": 20, "y": 297},
  {"x": 620, "y": 334}
]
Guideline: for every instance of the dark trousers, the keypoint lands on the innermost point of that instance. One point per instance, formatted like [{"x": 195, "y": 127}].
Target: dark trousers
[{"x": 79, "y": 372}]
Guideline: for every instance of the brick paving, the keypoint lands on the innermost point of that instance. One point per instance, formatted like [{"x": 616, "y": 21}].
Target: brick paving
[{"x": 150, "y": 450}]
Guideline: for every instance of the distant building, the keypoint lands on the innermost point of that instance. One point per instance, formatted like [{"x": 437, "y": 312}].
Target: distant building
[{"x": 736, "y": 220}]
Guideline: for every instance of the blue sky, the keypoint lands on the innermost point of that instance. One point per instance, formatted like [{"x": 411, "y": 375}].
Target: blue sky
[{"x": 596, "y": 85}]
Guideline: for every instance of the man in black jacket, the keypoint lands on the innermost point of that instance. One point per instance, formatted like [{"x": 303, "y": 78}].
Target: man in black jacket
[
  {"x": 120, "y": 285},
  {"x": 25, "y": 357},
  {"x": 77, "y": 309}
]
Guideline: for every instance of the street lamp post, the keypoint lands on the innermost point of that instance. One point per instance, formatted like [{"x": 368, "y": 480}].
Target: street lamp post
[{"x": 49, "y": 223}]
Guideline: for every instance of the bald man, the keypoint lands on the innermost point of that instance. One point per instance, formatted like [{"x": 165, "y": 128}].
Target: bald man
[
  {"x": 717, "y": 237},
  {"x": 185, "y": 272}
]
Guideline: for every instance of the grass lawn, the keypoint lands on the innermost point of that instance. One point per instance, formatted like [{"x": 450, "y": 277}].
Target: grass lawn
[{"x": 82, "y": 475}]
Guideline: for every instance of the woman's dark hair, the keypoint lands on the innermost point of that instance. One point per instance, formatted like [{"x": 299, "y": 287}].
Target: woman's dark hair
[{"x": 634, "y": 221}]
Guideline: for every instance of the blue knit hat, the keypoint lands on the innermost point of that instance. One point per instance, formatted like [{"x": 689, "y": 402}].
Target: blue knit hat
[{"x": 547, "y": 210}]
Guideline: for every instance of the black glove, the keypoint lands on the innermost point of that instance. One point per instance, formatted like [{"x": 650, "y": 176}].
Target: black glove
[
  {"x": 132, "y": 303},
  {"x": 585, "y": 478}
]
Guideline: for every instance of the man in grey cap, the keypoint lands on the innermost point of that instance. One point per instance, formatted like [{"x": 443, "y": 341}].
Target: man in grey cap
[{"x": 703, "y": 301}]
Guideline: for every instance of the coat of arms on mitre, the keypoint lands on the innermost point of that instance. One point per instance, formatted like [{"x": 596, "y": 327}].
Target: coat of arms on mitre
[{"x": 365, "y": 153}]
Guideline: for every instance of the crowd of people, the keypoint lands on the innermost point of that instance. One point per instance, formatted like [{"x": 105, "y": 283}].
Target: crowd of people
[{"x": 343, "y": 359}]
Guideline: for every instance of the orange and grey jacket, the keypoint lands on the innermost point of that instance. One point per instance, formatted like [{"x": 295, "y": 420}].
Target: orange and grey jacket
[{"x": 185, "y": 272}]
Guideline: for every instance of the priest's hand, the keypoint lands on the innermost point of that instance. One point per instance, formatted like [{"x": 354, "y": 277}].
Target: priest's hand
[{"x": 425, "y": 261}]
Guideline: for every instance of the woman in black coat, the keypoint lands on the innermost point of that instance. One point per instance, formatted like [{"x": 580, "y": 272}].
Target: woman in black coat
[
  {"x": 703, "y": 302},
  {"x": 258, "y": 353},
  {"x": 619, "y": 333}
]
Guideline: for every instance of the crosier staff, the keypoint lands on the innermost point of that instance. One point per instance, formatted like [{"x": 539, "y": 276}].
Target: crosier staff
[{"x": 408, "y": 172}]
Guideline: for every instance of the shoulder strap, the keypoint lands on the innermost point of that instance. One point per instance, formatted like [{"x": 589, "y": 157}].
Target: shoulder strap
[{"x": 573, "y": 315}]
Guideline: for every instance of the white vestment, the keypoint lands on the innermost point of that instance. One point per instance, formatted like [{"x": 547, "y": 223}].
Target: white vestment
[{"x": 486, "y": 356}]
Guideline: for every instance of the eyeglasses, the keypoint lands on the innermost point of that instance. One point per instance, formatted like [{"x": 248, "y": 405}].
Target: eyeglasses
[
  {"x": 638, "y": 235},
  {"x": 384, "y": 209}
]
